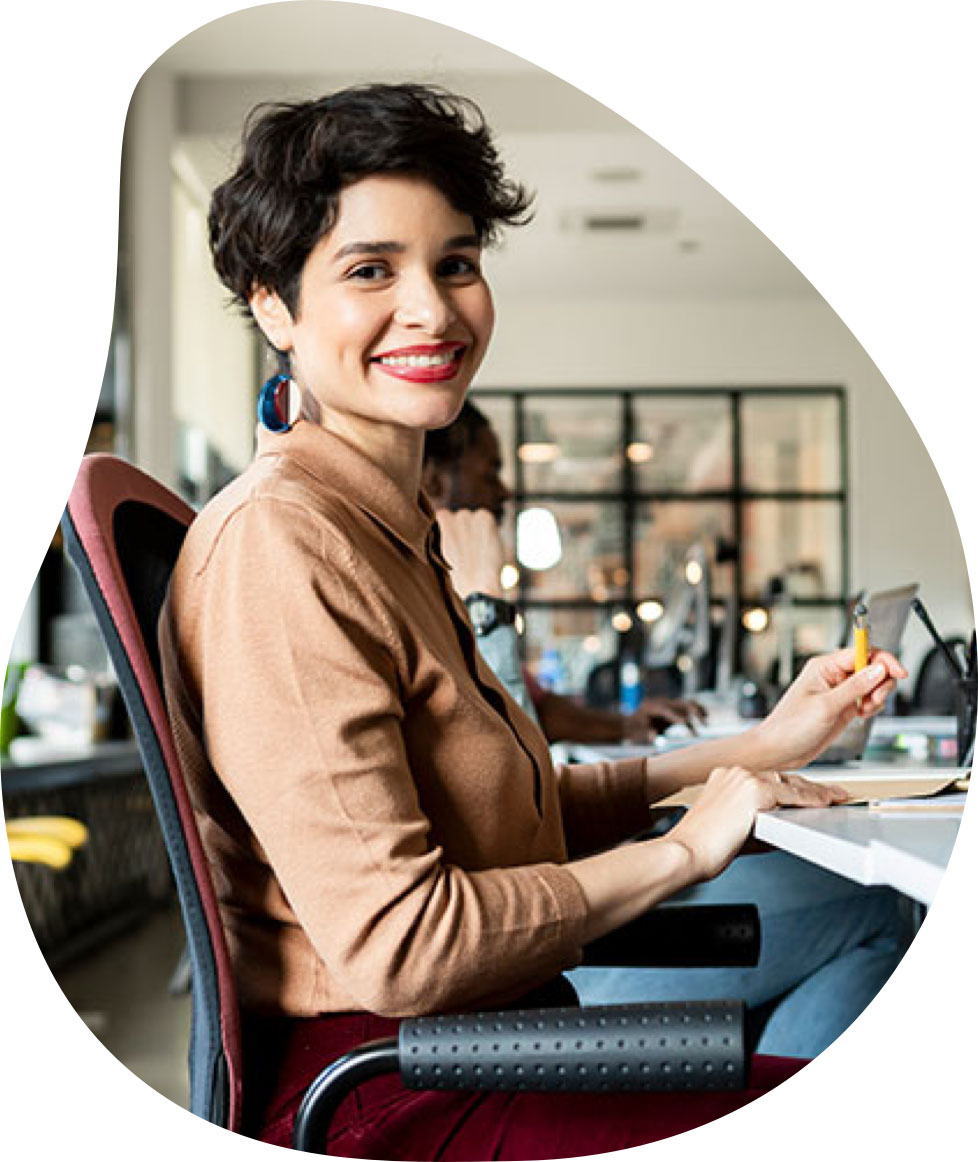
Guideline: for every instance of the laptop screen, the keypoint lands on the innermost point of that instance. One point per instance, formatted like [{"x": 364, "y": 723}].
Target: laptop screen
[{"x": 888, "y": 614}]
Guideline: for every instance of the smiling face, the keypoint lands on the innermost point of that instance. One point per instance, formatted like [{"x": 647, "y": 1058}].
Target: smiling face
[{"x": 394, "y": 316}]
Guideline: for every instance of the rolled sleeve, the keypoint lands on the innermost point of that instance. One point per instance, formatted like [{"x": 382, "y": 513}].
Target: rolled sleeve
[{"x": 602, "y": 803}]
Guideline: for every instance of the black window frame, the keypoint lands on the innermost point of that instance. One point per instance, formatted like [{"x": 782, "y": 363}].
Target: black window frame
[{"x": 629, "y": 496}]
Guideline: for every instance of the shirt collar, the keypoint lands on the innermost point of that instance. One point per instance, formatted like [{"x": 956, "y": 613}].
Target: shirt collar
[{"x": 341, "y": 469}]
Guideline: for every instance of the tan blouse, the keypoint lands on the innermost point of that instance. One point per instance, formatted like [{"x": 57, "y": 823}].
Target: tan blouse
[{"x": 385, "y": 827}]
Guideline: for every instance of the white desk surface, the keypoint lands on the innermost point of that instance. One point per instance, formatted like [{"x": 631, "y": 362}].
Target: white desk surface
[{"x": 907, "y": 851}]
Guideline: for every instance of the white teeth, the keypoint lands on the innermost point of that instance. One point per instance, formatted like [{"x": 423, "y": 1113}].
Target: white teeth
[{"x": 416, "y": 360}]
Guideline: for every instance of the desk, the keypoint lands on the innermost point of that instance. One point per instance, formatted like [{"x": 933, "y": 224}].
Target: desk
[
  {"x": 908, "y": 852},
  {"x": 122, "y": 872},
  {"x": 905, "y": 851},
  {"x": 50, "y": 768}
]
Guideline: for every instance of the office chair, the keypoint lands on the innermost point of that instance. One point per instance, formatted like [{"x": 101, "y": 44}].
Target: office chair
[
  {"x": 934, "y": 688},
  {"x": 123, "y": 532}
]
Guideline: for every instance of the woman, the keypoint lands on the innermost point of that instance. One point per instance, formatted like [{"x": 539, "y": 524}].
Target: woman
[
  {"x": 387, "y": 834},
  {"x": 829, "y": 944}
]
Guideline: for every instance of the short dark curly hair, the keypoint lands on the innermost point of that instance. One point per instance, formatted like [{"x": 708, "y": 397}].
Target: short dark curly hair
[{"x": 297, "y": 157}]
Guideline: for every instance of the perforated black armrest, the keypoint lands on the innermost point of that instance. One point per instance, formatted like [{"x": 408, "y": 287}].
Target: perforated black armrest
[
  {"x": 685, "y": 936},
  {"x": 680, "y": 1045}
]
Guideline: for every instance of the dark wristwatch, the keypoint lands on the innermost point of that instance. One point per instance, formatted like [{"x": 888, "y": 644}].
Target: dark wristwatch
[{"x": 488, "y": 613}]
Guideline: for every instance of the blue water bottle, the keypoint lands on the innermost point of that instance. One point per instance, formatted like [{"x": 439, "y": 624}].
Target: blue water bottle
[
  {"x": 550, "y": 672},
  {"x": 630, "y": 693}
]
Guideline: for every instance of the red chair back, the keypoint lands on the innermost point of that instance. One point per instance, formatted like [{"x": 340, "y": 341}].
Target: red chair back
[{"x": 123, "y": 532}]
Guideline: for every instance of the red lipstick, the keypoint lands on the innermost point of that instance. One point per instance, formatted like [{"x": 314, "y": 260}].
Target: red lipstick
[{"x": 423, "y": 362}]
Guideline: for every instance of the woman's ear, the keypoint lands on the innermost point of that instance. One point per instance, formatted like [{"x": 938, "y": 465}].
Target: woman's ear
[{"x": 272, "y": 316}]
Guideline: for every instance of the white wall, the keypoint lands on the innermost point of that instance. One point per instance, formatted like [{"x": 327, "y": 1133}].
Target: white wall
[
  {"x": 902, "y": 528},
  {"x": 213, "y": 347},
  {"x": 150, "y": 129}
]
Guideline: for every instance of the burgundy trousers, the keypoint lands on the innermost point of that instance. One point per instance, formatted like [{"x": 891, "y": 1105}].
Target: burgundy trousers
[{"x": 382, "y": 1119}]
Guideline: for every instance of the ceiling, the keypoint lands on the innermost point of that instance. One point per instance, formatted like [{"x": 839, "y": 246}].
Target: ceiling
[{"x": 680, "y": 239}]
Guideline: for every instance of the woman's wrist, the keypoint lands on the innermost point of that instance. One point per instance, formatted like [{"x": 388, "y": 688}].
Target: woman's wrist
[
  {"x": 756, "y": 749},
  {"x": 623, "y": 882},
  {"x": 680, "y": 859},
  {"x": 661, "y": 780},
  {"x": 760, "y": 749}
]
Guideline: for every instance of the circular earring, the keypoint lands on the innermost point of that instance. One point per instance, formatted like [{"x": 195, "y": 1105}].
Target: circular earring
[{"x": 279, "y": 402}]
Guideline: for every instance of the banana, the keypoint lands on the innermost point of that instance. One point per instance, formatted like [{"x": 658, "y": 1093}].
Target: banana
[
  {"x": 59, "y": 827},
  {"x": 40, "y": 849}
]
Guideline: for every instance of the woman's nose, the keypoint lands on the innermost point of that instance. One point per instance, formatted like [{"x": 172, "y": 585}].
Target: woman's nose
[{"x": 422, "y": 303}]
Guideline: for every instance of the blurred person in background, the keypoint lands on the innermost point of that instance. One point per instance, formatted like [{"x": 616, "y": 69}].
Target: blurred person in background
[{"x": 462, "y": 474}]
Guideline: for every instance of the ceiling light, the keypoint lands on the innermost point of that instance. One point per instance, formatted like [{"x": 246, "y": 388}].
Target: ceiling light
[
  {"x": 509, "y": 577},
  {"x": 621, "y": 621},
  {"x": 652, "y": 221},
  {"x": 537, "y": 539},
  {"x": 640, "y": 452},
  {"x": 755, "y": 620},
  {"x": 649, "y": 611},
  {"x": 615, "y": 220},
  {"x": 539, "y": 453},
  {"x": 617, "y": 173}
]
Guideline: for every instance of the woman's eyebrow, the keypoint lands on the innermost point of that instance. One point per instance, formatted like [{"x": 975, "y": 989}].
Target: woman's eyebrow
[
  {"x": 369, "y": 248},
  {"x": 459, "y": 241}
]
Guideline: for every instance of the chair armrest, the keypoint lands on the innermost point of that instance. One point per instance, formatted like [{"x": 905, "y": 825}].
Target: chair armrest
[
  {"x": 666, "y": 1046},
  {"x": 684, "y": 936}
]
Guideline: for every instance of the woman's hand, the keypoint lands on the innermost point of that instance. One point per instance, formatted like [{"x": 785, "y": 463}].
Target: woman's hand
[
  {"x": 825, "y": 697},
  {"x": 715, "y": 828}
]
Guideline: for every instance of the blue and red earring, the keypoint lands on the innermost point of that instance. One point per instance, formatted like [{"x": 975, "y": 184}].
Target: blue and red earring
[{"x": 279, "y": 402}]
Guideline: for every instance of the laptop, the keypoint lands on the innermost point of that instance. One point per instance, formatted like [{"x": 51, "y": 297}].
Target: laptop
[{"x": 888, "y": 614}]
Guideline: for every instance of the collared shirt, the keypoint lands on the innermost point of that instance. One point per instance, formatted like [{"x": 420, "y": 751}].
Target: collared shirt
[{"x": 384, "y": 825}]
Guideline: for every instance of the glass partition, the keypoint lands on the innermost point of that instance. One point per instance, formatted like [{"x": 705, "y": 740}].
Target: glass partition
[
  {"x": 753, "y": 479},
  {"x": 571, "y": 443},
  {"x": 792, "y": 443},
  {"x": 681, "y": 444}
]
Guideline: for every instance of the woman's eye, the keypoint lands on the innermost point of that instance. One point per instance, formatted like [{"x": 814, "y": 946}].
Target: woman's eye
[
  {"x": 369, "y": 272},
  {"x": 457, "y": 266}
]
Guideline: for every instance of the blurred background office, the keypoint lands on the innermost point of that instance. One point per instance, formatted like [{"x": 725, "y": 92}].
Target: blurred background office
[
  {"x": 661, "y": 377},
  {"x": 701, "y": 454}
]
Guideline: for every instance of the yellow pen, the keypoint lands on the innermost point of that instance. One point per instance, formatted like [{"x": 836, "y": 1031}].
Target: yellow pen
[{"x": 861, "y": 635}]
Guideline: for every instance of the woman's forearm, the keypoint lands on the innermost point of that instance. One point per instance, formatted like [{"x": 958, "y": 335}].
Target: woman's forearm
[
  {"x": 670, "y": 772},
  {"x": 622, "y": 883},
  {"x": 826, "y": 696}
]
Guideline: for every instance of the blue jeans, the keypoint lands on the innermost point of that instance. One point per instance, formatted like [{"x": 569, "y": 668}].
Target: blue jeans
[{"x": 827, "y": 947}]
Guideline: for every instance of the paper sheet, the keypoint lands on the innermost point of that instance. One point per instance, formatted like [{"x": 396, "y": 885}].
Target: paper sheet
[{"x": 870, "y": 786}]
